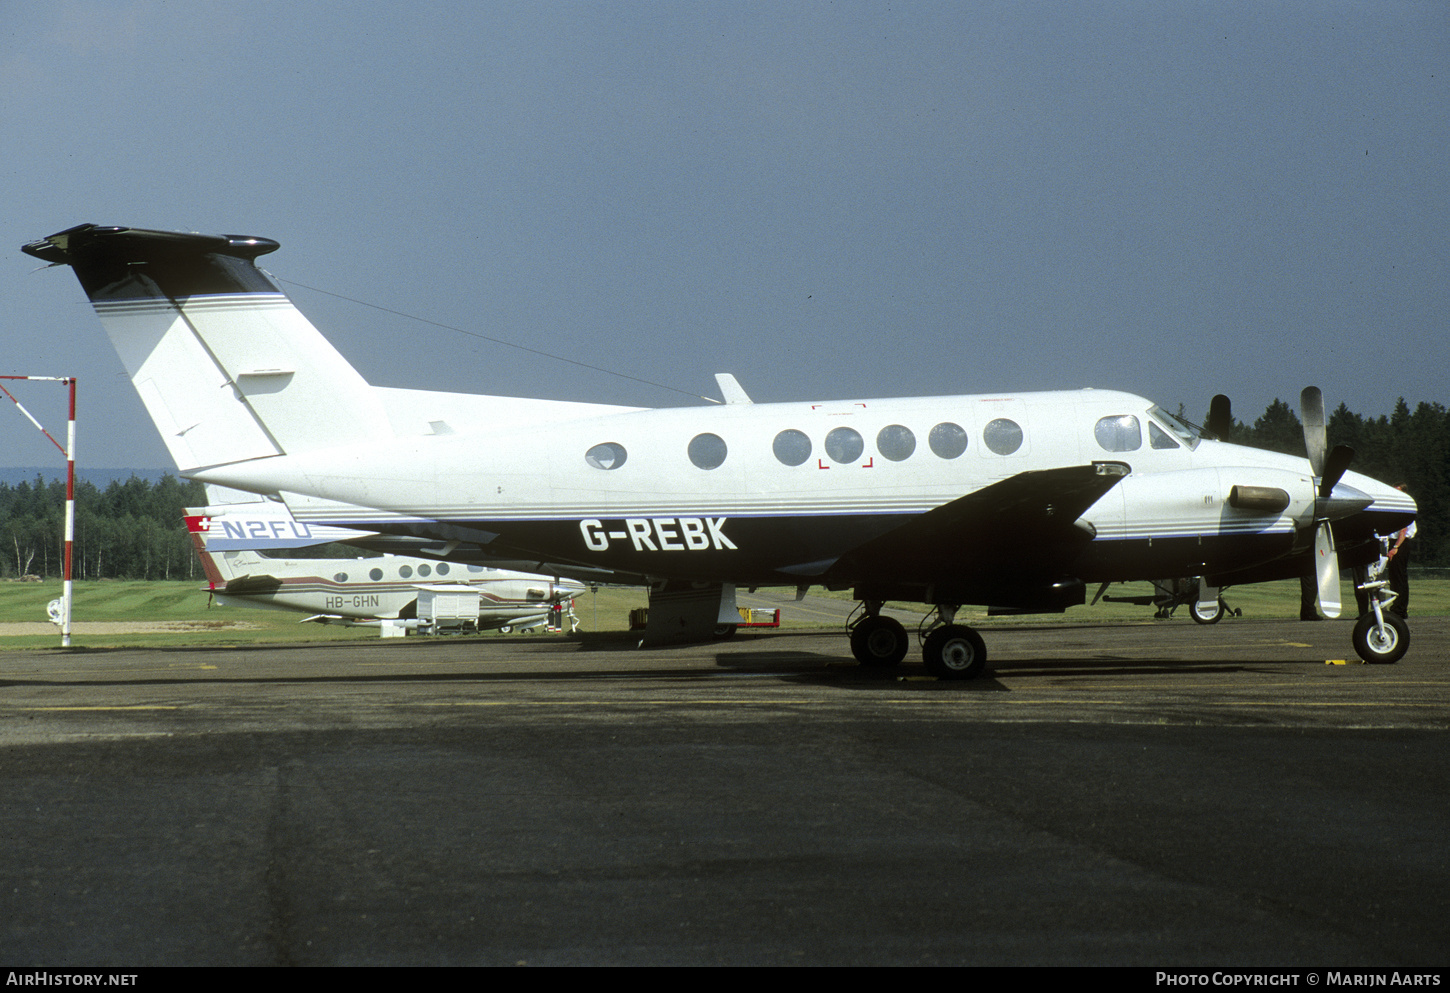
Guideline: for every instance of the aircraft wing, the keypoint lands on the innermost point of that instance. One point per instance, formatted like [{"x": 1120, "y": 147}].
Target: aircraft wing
[{"x": 1019, "y": 527}]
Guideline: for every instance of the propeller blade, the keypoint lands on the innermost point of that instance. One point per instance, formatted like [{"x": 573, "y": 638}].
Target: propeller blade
[
  {"x": 1326, "y": 571},
  {"x": 1220, "y": 417},
  {"x": 1316, "y": 435},
  {"x": 1334, "y": 468}
]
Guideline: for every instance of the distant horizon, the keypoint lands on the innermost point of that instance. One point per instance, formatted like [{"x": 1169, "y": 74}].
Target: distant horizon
[{"x": 13, "y": 475}]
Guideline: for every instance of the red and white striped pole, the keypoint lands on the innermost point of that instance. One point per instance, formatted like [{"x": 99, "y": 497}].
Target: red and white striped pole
[
  {"x": 69, "y": 450},
  {"x": 68, "y": 588}
]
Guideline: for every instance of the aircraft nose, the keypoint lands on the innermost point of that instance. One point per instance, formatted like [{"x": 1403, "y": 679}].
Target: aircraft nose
[
  {"x": 1383, "y": 496},
  {"x": 1389, "y": 508}
]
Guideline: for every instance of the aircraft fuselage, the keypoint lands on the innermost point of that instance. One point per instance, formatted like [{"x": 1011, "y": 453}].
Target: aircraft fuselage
[
  {"x": 1008, "y": 500},
  {"x": 771, "y": 494}
]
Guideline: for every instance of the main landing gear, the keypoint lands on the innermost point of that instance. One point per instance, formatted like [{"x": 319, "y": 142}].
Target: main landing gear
[{"x": 950, "y": 651}]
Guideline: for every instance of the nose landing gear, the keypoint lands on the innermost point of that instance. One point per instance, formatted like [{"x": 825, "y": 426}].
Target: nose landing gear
[{"x": 1379, "y": 635}]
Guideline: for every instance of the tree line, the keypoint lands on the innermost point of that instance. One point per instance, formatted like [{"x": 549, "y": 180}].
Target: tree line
[
  {"x": 130, "y": 530},
  {"x": 134, "y": 529}
]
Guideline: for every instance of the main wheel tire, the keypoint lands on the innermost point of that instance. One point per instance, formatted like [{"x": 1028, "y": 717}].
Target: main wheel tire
[
  {"x": 955, "y": 652},
  {"x": 1382, "y": 647},
  {"x": 724, "y": 631},
  {"x": 878, "y": 642},
  {"x": 1210, "y": 616}
]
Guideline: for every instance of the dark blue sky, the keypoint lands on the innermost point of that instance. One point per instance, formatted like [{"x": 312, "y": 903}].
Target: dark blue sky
[{"x": 826, "y": 199}]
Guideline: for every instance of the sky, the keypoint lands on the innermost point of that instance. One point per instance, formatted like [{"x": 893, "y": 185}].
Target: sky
[{"x": 831, "y": 200}]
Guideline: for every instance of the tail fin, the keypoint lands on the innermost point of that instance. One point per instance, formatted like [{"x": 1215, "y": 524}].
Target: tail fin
[
  {"x": 196, "y": 526},
  {"x": 228, "y": 368},
  {"x": 220, "y": 568}
]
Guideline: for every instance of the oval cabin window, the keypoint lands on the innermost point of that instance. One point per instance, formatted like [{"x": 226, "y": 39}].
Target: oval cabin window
[
  {"x": 896, "y": 442},
  {"x": 791, "y": 447},
  {"x": 947, "y": 440},
  {"x": 1002, "y": 436},
  {"x": 609, "y": 455},
  {"x": 707, "y": 451}
]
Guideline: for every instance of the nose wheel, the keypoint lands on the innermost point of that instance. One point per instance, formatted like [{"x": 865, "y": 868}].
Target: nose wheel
[
  {"x": 1380, "y": 636},
  {"x": 1381, "y": 642}
]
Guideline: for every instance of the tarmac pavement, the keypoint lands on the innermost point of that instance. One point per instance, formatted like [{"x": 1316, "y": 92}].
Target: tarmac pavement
[{"x": 1154, "y": 794}]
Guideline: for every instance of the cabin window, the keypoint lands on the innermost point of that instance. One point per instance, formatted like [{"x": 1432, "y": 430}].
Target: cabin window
[
  {"x": 1158, "y": 438},
  {"x": 1119, "y": 433},
  {"x": 341, "y": 577},
  {"x": 896, "y": 442},
  {"x": 442, "y": 568},
  {"x": 947, "y": 440},
  {"x": 844, "y": 445},
  {"x": 791, "y": 447},
  {"x": 609, "y": 455},
  {"x": 424, "y": 570},
  {"x": 405, "y": 571},
  {"x": 707, "y": 451},
  {"x": 375, "y": 574},
  {"x": 1003, "y": 436}
]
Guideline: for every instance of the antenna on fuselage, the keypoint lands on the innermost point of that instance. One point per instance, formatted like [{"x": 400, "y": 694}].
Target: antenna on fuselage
[{"x": 731, "y": 389}]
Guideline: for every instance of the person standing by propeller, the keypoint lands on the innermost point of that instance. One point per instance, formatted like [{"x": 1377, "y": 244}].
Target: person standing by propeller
[{"x": 1399, "y": 569}]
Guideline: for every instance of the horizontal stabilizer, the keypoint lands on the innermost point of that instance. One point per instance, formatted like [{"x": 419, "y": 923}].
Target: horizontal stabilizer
[
  {"x": 265, "y": 525},
  {"x": 228, "y": 368}
]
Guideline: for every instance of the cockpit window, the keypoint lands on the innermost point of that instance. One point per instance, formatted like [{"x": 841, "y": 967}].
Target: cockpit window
[
  {"x": 1158, "y": 438},
  {"x": 1118, "y": 433},
  {"x": 1185, "y": 432}
]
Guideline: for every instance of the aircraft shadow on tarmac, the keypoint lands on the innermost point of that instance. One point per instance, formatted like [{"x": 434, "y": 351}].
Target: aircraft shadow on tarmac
[{"x": 755, "y": 657}]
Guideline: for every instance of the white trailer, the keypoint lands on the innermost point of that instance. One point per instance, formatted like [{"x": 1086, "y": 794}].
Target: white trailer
[{"x": 453, "y": 607}]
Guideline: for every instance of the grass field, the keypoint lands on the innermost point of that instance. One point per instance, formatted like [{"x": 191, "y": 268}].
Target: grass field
[{"x": 153, "y": 605}]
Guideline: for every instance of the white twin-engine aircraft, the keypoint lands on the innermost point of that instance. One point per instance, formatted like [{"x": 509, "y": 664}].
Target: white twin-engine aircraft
[
  {"x": 357, "y": 590},
  {"x": 1012, "y": 501}
]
